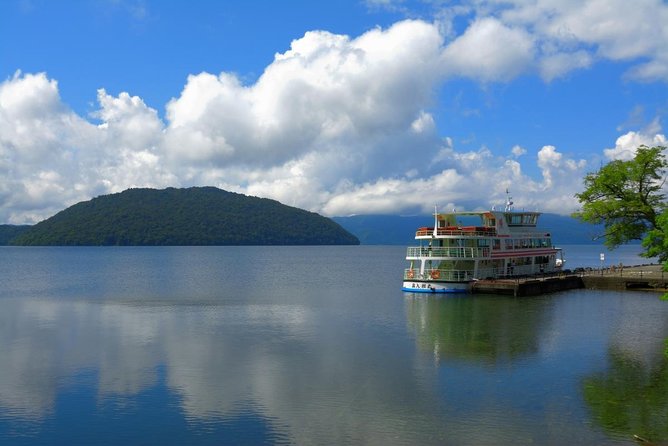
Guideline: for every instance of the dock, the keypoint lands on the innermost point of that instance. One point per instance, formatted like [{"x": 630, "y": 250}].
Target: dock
[
  {"x": 639, "y": 277},
  {"x": 650, "y": 277}
]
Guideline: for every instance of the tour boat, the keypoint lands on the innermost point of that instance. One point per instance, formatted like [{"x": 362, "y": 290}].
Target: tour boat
[{"x": 505, "y": 244}]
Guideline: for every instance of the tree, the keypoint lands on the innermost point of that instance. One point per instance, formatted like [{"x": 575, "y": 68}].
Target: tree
[
  {"x": 627, "y": 197},
  {"x": 656, "y": 241}
]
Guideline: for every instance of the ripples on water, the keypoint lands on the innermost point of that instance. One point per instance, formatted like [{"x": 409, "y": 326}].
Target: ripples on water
[{"x": 313, "y": 345}]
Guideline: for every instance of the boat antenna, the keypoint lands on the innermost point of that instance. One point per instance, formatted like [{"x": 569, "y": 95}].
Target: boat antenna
[
  {"x": 435, "y": 221},
  {"x": 509, "y": 201}
]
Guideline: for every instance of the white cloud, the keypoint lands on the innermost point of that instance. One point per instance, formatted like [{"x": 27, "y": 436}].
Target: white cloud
[
  {"x": 489, "y": 51},
  {"x": 518, "y": 151},
  {"x": 367, "y": 168},
  {"x": 556, "y": 65},
  {"x": 626, "y": 145},
  {"x": 334, "y": 124},
  {"x": 571, "y": 34},
  {"x": 424, "y": 123},
  {"x": 477, "y": 179}
]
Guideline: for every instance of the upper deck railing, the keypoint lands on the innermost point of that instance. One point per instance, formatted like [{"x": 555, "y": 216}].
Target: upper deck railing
[
  {"x": 458, "y": 231},
  {"x": 449, "y": 252}
]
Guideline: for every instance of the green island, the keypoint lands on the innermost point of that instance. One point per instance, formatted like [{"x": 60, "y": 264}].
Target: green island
[{"x": 179, "y": 217}]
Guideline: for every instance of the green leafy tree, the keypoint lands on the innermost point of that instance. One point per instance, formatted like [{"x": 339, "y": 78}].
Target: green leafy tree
[
  {"x": 627, "y": 198},
  {"x": 656, "y": 241}
]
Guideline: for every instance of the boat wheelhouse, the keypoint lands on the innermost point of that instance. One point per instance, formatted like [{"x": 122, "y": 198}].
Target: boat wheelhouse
[{"x": 504, "y": 244}]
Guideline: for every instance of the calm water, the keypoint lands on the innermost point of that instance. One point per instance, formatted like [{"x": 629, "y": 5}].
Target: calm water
[{"x": 306, "y": 345}]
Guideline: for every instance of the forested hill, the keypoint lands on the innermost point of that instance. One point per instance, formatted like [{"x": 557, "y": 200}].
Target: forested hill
[
  {"x": 8, "y": 232},
  {"x": 193, "y": 216}
]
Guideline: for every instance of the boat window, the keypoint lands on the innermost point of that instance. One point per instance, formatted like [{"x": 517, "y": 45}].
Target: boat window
[
  {"x": 529, "y": 219},
  {"x": 514, "y": 219},
  {"x": 509, "y": 244}
]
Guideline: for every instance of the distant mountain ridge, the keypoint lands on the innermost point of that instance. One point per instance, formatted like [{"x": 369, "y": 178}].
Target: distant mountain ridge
[
  {"x": 193, "y": 216},
  {"x": 399, "y": 230}
]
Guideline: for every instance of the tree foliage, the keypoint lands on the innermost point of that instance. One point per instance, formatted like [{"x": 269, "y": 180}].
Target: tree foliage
[
  {"x": 8, "y": 232},
  {"x": 656, "y": 241},
  {"x": 627, "y": 198},
  {"x": 194, "y": 216}
]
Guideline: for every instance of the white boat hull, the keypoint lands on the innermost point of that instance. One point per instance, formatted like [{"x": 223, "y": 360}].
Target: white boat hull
[{"x": 431, "y": 286}]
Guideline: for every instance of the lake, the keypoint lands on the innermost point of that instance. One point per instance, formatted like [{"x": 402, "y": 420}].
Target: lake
[{"x": 315, "y": 345}]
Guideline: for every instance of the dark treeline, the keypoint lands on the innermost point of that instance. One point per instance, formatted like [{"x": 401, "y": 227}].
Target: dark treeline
[
  {"x": 193, "y": 216},
  {"x": 8, "y": 232}
]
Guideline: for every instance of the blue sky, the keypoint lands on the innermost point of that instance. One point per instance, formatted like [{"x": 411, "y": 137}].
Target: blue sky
[{"x": 348, "y": 107}]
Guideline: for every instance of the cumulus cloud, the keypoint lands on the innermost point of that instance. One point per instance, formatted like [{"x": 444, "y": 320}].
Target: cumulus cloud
[
  {"x": 51, "y": 158},
  {"x": 335, "y": 124},
  {"x": 626, "y": 145},
  {"x": 551, "y": 161},
  {"x": 476, "y": 179},
  {"x": 489, "y": 51},
  {"x": 573, "y": 34}
]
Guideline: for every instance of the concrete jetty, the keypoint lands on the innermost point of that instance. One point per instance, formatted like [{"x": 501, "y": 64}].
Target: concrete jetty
[
  {"x": 638, "y": 277},
  {"x": 650, "y": 277}
]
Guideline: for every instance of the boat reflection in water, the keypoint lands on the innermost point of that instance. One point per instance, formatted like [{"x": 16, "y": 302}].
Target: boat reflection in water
[
  {"x": 484, "y": 329},
  {"x": 543, "y": 353}
]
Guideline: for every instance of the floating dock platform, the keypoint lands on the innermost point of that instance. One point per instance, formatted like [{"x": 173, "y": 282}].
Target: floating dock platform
[{"x": 640, "y": 277}]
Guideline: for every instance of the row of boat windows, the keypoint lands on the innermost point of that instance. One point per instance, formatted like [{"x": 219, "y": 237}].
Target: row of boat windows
[
  {"x": 521, "y": 219},
  {"x": 514, "y": 220},
  {"x": 526, "y": 243},
  {"x": 496, "y": 243},
  {"x": 518, "y": 261}
]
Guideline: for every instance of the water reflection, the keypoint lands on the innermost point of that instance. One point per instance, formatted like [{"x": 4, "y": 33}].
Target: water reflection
[
  {"x": 188, "y": 346},
  {"x": 630, "y": 397},
  {"x": 302, "y": 374},
  {"x": 488, "y": 329}
]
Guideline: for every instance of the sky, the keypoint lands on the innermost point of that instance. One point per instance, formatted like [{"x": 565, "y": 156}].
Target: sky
[{"x": 342, "y": 108}]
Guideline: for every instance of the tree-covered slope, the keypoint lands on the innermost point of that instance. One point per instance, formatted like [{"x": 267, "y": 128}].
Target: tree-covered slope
[
  {"x": 194, "y": 216},
  {"x": 8, "y": 232}
]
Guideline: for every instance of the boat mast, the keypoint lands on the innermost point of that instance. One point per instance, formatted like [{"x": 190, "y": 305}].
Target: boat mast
[{"x": 509, "y": 201}]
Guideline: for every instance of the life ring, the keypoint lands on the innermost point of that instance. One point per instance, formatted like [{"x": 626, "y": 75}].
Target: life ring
[
  {"x": 410, "y": 274},
  {"x": 435, "y": 274}
]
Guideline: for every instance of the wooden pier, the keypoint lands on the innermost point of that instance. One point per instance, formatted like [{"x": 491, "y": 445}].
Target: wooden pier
[{"x": 640, "y": 277}]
